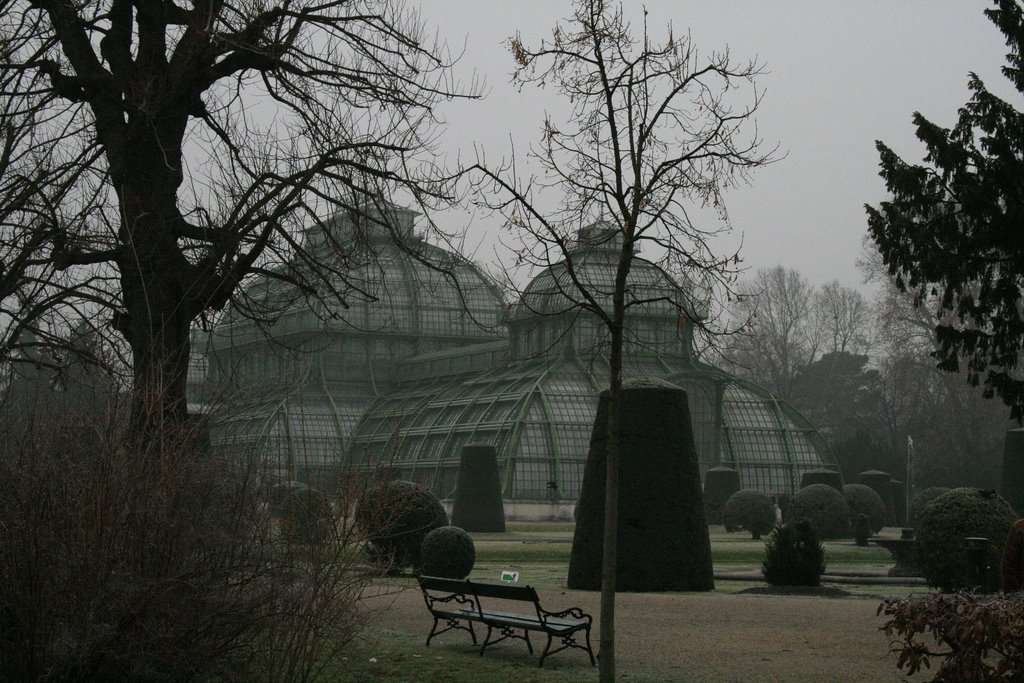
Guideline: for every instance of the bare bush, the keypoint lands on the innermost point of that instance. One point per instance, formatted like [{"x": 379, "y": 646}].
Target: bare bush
[
  {"x": 970, "y": 637},
  {"x": 166, "y": 567}
]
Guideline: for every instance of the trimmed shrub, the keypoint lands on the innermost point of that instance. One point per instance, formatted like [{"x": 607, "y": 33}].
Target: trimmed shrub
[
  {"x": 822, "y": 506},
  {"x": 663, "y": 535},
  {"x": 862, "y": 500},
  {"x": 881, "y": 482},
  {"x": 478, "y": 505},
  {"x": 749, "y": 510},
  {"x": 719, "y": 484},
  {"x": 861, "y": 529},
  {"x": 448, "y": 551},
  {"x": 303, "y": 513},
  {"x": 822, "y": 476},
  {"x": 396, "y": 516},
  {"x": 1011, "y": 486},
  {"x": 947, "y": 521},
  {"x": 922, "y": 499},
  {"x": 793, "y": 555}
]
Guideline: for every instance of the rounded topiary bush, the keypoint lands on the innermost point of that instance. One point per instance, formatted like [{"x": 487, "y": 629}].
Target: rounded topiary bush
[
  {"x": 750, "y": 510},
  {"x": 793, "y": 555},
  {"x": 947, "y": 521},
  {"x": 303, "y": 513},
  {"x": 924, "y": 498},
  {"x": 864, "y": 500},
  {"x": 822, "y": 506},
  {"x": 396, "y": 516},
  {"x": 447, "y": 551}
]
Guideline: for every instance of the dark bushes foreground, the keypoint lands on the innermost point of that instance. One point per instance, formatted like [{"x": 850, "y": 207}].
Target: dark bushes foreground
[
  {"x": 972, "y": 638},
  {"x": 126, "y": 564}
]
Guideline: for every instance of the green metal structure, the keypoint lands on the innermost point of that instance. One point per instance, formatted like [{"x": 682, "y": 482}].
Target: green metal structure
[{"x": 424, "y": 363}]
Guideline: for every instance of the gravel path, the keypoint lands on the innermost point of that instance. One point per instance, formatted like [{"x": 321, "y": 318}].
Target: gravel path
[{"x": 716, "y": 637}]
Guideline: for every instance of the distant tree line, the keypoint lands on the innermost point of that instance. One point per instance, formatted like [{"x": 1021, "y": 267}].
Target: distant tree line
[{"x": 864, "y": 372}]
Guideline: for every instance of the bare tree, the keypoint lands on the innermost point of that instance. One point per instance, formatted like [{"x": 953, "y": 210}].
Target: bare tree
[
  {"x": 654, "y": 135},
  {"x": 41, "y": 173},
  {"x": 843, "y": 319},
  {"x": 210, "y": 132},
  {"x": 782, "y": 336}
]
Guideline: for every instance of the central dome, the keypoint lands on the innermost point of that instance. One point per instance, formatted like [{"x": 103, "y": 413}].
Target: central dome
[{"x": 555, "y": 313}]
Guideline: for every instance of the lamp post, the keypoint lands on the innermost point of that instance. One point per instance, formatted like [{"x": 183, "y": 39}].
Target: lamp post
[{"x": 910, "y": 480}]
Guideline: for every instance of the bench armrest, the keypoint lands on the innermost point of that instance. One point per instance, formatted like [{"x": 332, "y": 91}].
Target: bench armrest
[
  {"x": 458, "y": 599},
  {"x": 574, "y": 612}
]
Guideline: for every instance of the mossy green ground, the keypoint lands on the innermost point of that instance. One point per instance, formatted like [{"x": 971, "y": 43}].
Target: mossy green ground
[{"x": 540, "y": 553}]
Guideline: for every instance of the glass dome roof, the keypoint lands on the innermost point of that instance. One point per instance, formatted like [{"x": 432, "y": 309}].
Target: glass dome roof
[
  {"x": 414, "y": 365},
  {"x": 552, "y": 313},
  {"x": 538, "y": 414},
  {"x": 293, "y": 380}
]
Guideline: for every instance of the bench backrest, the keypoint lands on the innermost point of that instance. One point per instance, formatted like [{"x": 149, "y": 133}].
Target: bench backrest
[
  {"x": 504, "y": 591},
  {"x": 438, "y": 583}
]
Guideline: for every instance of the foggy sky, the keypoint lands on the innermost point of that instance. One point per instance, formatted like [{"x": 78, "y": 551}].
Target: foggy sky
[{"x": 840, "y": 75}]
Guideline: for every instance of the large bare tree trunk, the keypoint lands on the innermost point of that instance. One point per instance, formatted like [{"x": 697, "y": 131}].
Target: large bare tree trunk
[{"x": 158, "y": 306}]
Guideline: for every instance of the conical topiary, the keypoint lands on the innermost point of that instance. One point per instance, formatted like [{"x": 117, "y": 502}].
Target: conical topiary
[
  {"x": 478, "y": 505},
  {"x": 822, "y": 475},
  {"x": 719, "y": 484},
  {"x": 663, "y": 542},
  {"x": 881, "y": 482},
  {"x": 1012, "y": 485}
]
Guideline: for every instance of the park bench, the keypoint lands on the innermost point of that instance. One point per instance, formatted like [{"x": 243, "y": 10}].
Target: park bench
[{"x": 458, "y": 604}]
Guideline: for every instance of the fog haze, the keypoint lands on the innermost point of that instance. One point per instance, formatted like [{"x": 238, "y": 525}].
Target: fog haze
[{"x": 838, "y": 77}]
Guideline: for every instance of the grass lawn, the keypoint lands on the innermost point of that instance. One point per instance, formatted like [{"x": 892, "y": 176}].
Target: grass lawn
[
  {"x": 540, "y": 553},
  {"x": 394, "y": 656}
]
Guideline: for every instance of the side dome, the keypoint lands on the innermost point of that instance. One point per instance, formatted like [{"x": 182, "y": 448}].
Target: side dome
[{"x": 552, "y": 311}]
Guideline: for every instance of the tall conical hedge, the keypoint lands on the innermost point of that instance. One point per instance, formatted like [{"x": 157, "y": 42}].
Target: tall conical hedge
[
  {"x": 663, "y": 542},
  {"x": 881, "y": 482},
  {"x": 1012, "y": 486},
  {"x": 719, "y": 485},
  {"x": 478, "y": 505},
  {"x": 822, "y": 476}
]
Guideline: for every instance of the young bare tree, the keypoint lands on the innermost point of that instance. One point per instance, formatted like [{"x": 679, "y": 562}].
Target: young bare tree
[
  {"x": 217, "y": 129},
  {"x": 654, "y": 135}
]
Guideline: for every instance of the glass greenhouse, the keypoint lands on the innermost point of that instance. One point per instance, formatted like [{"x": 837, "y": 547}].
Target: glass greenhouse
[{"x": 424, "y": 363}]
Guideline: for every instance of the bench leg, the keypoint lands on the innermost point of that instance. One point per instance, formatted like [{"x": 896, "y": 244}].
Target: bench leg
[
  {"x": 452, "y": 623},
  {"x": 568, "y": 641},
  {"x": 506, "y": 632},
  {"x": 486, "y": 641}
]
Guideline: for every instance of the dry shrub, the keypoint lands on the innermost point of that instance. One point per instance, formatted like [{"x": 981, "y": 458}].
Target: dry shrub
[
  {"x": 973, "y": 638},
  {"x": 119, "y": 562}
]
